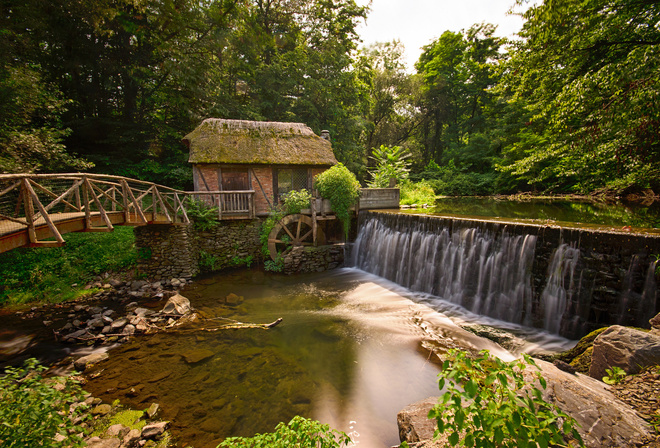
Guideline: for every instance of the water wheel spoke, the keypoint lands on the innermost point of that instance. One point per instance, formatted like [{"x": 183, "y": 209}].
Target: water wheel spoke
[
  {"x": 305, "y": 236},
  {"x": 286, "y": 228},
  {"x": 284, "y": 235}
]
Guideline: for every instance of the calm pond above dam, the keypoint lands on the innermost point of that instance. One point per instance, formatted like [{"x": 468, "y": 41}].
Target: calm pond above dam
[
  {"x": 580, "y": 212},
  {"x": 352, "y": 350}
]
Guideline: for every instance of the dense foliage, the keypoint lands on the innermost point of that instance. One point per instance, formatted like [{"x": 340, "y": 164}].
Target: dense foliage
[
  {"x": 391, "y": 164},
  {"x": 342, "y": 189},
  {"x": 203, "y": 215},
  {"x": 570, "y": 105},
  {"x": 299, "y": 431},
  {"x": 34, "y": 410},
  {"x": 297, "y": 200},
  {"x": 488, "y": 403},
  {"x": 60, "y": 273}
]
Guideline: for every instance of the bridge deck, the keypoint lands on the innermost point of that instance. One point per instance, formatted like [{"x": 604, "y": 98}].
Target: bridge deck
[
  {"x": 14, "y": 234},
  {"x": 37, "y": 209}
]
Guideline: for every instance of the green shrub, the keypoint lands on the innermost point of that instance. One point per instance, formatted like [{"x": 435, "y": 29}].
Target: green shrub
[
  {"x": 488, "y": 403},
  {"x": 203, "y": 215},
  {"x": 33, "y": 411},
  {"x": 299, "y": 432},
  {"x": 276, "y": 265},
  {"x": 416, "y": 193},
  {"x": 342, "y": 189},
  {"x": 237, "y": 261},
  {"x": 449, "y": 180},
  {"x": 390, "y": 164},
  {"x": 295, "y": 201},
  {"x": 207, "y": 261}
]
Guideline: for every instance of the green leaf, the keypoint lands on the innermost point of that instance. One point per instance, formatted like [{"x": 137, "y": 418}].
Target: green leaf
[{"x": 471, "y": 388}]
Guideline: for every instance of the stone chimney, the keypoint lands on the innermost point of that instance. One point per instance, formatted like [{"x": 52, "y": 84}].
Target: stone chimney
[{"x": 325, "y": 134}]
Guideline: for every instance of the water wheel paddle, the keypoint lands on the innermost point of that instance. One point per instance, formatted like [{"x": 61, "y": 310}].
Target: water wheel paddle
[{"x": 293, "y": 231}]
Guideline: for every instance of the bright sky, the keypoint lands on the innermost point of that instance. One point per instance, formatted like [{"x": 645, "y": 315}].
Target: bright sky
[{"x": 418, "y": 22}]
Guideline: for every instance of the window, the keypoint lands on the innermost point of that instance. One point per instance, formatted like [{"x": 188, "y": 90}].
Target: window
[{"x": 291, "y": 179}]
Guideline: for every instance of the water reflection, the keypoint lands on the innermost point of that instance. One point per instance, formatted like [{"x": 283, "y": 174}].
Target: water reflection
[{"x": 617, "y": 215}]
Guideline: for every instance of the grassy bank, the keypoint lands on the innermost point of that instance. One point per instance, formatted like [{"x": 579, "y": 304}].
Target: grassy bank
[{"x": 30, "y": 275}]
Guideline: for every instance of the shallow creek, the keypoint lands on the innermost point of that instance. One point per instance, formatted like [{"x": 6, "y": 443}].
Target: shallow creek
[{"x": 352, "y": 350}]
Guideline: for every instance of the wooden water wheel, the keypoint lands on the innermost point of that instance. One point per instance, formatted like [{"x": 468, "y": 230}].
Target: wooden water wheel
[{"x": 293, "y": 231}]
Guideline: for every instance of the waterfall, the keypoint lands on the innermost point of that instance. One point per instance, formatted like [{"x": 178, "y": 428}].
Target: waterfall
[
  {"x": 567, "y": 281},
  {"x": 486, "y": 272},
  {"x": 559, "y": 286}
]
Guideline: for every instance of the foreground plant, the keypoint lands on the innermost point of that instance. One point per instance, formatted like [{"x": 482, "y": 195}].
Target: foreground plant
[
  {"x": 35, "y": 413},
  {"x": 614, "y": 375},
  {"x": 488, "y": 403},
  {"x": 299, "y": 432}
]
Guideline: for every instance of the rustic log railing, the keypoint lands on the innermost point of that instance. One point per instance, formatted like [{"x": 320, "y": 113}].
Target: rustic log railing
[
  {"x": 229, "y": 203},
  {"x": 36, "y": 209}
]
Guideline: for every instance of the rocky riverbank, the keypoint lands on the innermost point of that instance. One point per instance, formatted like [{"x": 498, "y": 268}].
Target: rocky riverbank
[{"x": 625, "y": 414}]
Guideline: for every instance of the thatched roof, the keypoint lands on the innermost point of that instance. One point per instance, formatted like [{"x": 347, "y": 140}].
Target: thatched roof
[{"x": 257, "y": 142}]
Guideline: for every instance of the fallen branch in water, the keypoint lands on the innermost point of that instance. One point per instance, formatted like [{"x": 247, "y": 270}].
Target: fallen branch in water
[{"x": 238, "y": 325}]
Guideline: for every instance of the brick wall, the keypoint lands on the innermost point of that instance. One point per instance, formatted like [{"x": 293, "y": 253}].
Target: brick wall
[{"x": 265, "y": 176}]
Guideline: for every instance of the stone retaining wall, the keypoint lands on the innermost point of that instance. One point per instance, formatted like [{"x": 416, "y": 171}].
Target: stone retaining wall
[
  {"x": 313, "y": 259},
  {"x": 166, "y": 251},
  {"x": 181, "y": 251}
]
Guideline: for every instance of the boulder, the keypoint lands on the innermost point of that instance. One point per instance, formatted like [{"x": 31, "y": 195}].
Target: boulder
[
  {"x": 414, "y": 425},
  {"x": 117, "y": 430},
  {"x": 624, "y": 347},
  {"x": 102, "y": 409},
  {"x": 196, "y": 355},
  {"x": 97, "y": 442},
  {"x": 128, "y": 330},
  {"x": 153, "y": 409},
  {"x": 132, "y": 438},
  {"x": 143, "y": 312},
  {"x": 154, "y": 430},
  {"x": 89, "y": 360},
  {"x": 177, "y": 304},
  {"x": 119, "y": 323},
  {"x": 655, "y": 322},
  {"x": 604, "y": 421},
  {"x": 233, "y": 299}
]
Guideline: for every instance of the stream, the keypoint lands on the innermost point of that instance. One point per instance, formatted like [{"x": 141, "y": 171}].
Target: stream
[{"x": 352, "y": 350}]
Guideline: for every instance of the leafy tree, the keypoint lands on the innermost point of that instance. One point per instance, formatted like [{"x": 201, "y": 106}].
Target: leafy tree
[
  {"x": 587, "y": 72},
  {"x": 391, "y": 117},
  {"x": 458, "y": 70}
]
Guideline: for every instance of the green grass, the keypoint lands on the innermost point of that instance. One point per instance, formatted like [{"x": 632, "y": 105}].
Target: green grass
[
  {"x": 29, "y": 275},
  {"x": 416, "y": 193}
]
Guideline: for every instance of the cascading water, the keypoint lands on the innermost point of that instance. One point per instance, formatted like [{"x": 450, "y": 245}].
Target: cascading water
[
  {"x": 560, "y": 285},
  {"x": 563, "y": 280},
  {"x": 484, "y": 272}
]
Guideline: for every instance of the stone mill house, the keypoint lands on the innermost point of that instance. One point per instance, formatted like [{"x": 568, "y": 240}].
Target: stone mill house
[{"x": 249, "y": 165}]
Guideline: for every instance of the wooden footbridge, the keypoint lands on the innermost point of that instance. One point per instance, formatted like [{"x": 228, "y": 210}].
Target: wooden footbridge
[{"x": 37, "y": 209}]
